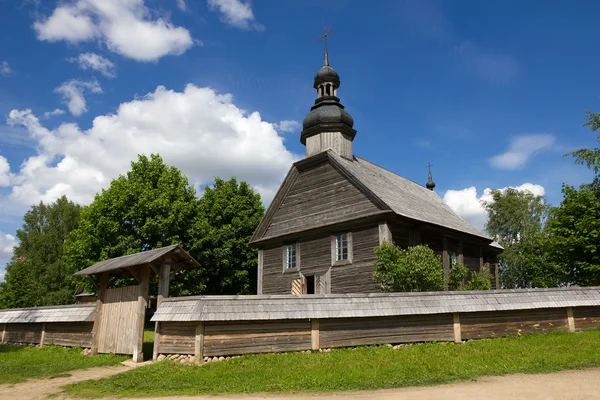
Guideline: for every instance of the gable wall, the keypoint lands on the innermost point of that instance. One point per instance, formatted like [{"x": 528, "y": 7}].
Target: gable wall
[{"x": 319, "y": 196}]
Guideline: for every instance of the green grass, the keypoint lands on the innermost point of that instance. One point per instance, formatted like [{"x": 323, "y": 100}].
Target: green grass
[
  {"x": 362, "y": 368},
  {"x": 18, "y": 363}
]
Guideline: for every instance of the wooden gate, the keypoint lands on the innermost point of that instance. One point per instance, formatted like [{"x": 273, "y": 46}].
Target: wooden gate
[{"x": 118, "y": 328}]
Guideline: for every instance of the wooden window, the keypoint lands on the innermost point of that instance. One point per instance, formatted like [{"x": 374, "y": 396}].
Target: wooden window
[
  {"x": 341, "y": 248},
  {"x": 290, "y": 256},
  {"x": 452, "y": 259}
]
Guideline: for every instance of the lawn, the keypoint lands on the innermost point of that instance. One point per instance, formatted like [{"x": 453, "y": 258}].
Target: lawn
[
  {"x": 18, "y": 363},
  {"x": 361, "y": 368}
]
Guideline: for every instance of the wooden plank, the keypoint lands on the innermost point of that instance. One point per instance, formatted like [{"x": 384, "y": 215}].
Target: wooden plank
[
  {"x": 98, "y": 317},
  {"x": 586, "y": 318},
  {"x": 259, "y": 283},
  {"x": 456, "y": 325},
  {"x": 314, "y": 334},
  {"x": 156, "y": 347},
  {"x": 3, "y": 333},
  {"x": 43, "y": 336},
  {"x": 385, "y": 234},
  {"x": 23, "y": 333},
  {"x": 75, "y": 334},
  {"x": 142, "y": 293},
  {"x": 163, "y": 283},
  {"x": 199, "y": 344},
  {"x": 570, "y": 319},
  {"x": 491, "y": 324}
]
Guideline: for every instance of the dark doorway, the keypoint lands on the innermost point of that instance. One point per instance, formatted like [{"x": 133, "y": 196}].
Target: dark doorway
[{"x": 310, "y": 284}]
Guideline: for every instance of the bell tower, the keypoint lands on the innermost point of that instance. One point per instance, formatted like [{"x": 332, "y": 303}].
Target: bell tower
[{"x": 327, "y": 126}]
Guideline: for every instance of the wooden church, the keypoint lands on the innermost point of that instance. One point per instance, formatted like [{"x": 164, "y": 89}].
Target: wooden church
[{"x": 334, "y": 208}]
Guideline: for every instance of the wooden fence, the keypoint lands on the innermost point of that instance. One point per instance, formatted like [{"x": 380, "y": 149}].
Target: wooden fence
[{"x": 221, "y": 326}]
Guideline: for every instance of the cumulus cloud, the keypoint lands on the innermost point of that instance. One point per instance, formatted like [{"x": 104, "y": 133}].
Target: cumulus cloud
[
  {"x": 127, "y": 27},
  {"x": 467, "y": 203},
  {"x": 236, "y": 13},
  {"x": 55, "y": 113},
  {"x": 73, "y": 91},
  {"x": 95, "y": 62},
  {"x": 199, "y": 131},
  {"x": 287, "y": 126},
  {"x": 521, "y": 149},
  {"x": 7, "y": 242},
  {"x": 4, "y": 172},
  {"x": 5, "y": 69}
]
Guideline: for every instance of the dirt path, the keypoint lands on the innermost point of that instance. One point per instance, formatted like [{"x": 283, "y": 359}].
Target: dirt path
[
  {"x": 35, "y": 389},
  {"x": 571, "y": 385}
]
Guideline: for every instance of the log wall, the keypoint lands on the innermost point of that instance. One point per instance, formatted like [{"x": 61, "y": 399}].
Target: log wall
[
  {"x": 222, "y": 338},
  {"x": 72, "y": 334}
]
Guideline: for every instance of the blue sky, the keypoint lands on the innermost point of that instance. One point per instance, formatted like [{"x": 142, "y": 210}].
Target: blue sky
[{"x": 491, "y": 93}]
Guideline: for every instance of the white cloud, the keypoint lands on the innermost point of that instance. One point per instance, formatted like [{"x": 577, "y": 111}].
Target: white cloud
[
  {"x": 181, "y": 5},
  {"x": 95, "y": 62},
  {"x": 236, "y": 13},
  {"x": 287, "y": 126},
  {"x": 199, "y": 131},
  {"x": 126, "y": 27},
  {"x": 521, "y": 149},
  {"x": 56, "y": 112},
  {"x": 5, "y": 69},
  {"x": 7, "y": 242},
  {"x": 5, "y": 175},
  {"x": 72, "y": 93},
  {"x": 467, "y": 204}
]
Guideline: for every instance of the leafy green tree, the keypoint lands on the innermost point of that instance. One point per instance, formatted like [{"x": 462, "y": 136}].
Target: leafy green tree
[
  {"x": 590, "y": 157},
  {"x": 517, "y": 220},
  {"x": 37, "y": 274},
  {"x": 229, "y": 214},
  {"x": 480, "y": 280},
  {"x": 575, "y": 234},
  {"x": 416, "y": 268},
  {"x": 150, "y": 206},
  {"x": 457, "y": 276}
]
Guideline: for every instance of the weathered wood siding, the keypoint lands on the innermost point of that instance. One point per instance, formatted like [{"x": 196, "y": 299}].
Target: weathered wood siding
[
  {"x": 229, "y": 338},
  {"x": 73, "y": 334},
  {"x": 275, "y": 280},
  {"x": 23, "y": 333},
  {"x": 118, "y": 323},
  {"x": 586, "y": 318},
  {"x": 503, "y": 323},
  {"x": 177, "y": 337},
  {"x": 357, "y": 277},
  {"x": 319, "y": 196},
  {"x": 343, "y": 332}
]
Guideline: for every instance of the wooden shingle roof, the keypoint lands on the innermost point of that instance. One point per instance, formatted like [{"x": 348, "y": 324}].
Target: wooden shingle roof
[
  {"x": 74, "y": 313},
  {"x": 247, "y": 308}
]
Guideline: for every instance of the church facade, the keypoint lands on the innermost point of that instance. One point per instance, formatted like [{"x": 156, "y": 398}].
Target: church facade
[{"x": 333, "y": 208}]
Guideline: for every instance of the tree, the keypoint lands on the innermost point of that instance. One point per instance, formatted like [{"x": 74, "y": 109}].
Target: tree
[
  {"x": 517, "y": 220},
  {"x": 575, "y": 234},
  {"x": 229, "y": 214},
  {"x": 37, "y": 274},
  {"x": 150, "y": 206},
  {"x": 416, "y": 268},
  {"x": 590, "y": 157}
]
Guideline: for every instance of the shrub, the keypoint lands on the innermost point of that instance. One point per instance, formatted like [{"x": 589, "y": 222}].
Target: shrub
[
  {"x": 404, "y": 270},
  {"x": 481, "y": 280},
  {"x": 457, "y": 276}
]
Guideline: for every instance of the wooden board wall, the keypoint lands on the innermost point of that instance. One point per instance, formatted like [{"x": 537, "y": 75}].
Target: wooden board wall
[
  {"x": 117, "y": 328},
  {"x": 73, "y": 334},
  {"x": 177, "y": 337},
  {"x": 358, "y": 276},
  {"x": 230, "y": 338},
  {"x": 342, "y": 332},
  {"x": 320, "y": 196},
  {"x": 23, "y": 333},
  {"x": 586, "y": 318},
  {"x": 503, "y": 323}
]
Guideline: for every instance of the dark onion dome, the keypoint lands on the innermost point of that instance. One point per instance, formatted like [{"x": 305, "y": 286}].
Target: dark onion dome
[
  {"x": 327, "y": 110},
  {"x": 430, "y": 184},
  {"x": 327, "y": 74}
]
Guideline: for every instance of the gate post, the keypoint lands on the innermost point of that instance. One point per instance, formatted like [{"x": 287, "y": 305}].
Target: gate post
[
  {"x": 96, "y": 329},
  {"x": 143, "y": 288}
]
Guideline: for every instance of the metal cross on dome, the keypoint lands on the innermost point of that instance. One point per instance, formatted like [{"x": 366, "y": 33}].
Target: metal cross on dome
[{"x": 327, "y": 31}]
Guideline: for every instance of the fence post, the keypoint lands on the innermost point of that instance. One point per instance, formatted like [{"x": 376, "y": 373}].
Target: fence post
[
  {"x": 199, "y": 343},
  {"x": 43, "y": 337},
  {"x": 570, "y": 319},
  {"x": 138, "y": 345},
  {"x": 156, "y": 349},
  {"x": 3, "y": 333},
  {"x": 456, "y": 323},
  {"x": 314, "y": 334}
]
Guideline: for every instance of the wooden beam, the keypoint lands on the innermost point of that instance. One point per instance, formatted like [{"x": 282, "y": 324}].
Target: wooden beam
[
  {"x": 155, "y": 269},
  {"x": 570, "y": 319},
  {"x": 156, "y": 350},
  {"x": 143, "y": 288},
  {"x": 314, "y": 334},
  {"x": 259, "y": 283},
  {"x": 3, "y": 333},
  {"x": 385, "y": 234},
  {"x": 43, "y": 336},
  {"x": 446, "y": 263},
  {"x": 481, "y": 259},
  {"x": 460, "y": 258},
  {"x": 163, "y": 283},
  {"x": 456, "y": 324},
  {"x": 199, "y": 344},
  {"x": 103, "y": 285}
]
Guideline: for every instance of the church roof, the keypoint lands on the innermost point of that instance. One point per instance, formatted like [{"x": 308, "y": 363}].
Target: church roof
[{"x": 405, "y": 197}]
